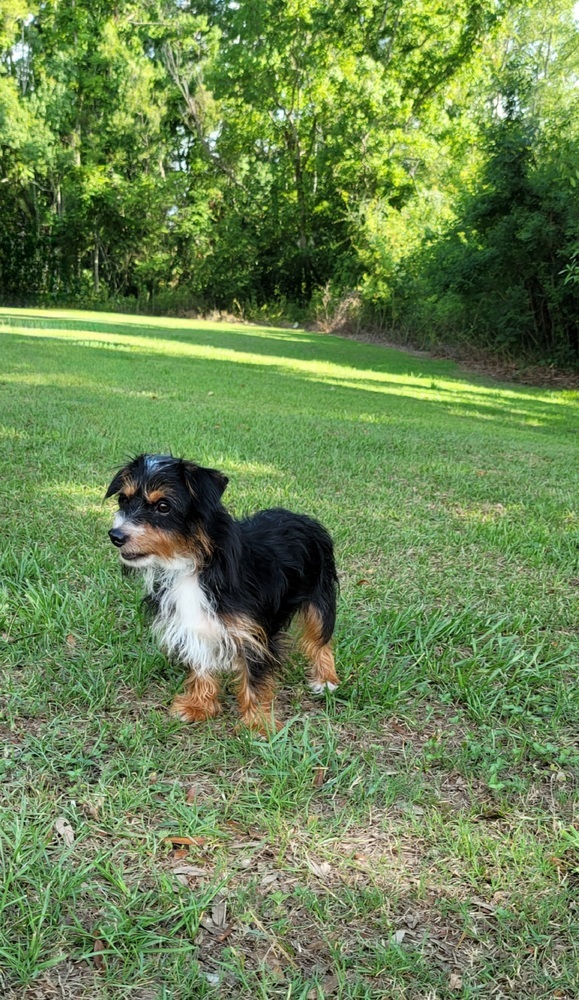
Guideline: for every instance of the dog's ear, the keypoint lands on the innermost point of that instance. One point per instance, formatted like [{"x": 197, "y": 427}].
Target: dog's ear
[
  {"x": 117, "y": 483},
  {"x": 205, "y": 485}
]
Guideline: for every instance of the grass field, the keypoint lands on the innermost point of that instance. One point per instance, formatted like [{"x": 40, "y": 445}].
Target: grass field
[{"x": 413, "y": 836}]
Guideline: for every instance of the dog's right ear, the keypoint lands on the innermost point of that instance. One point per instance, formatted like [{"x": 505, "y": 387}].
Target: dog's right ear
[{"x": 117, "y": 483}]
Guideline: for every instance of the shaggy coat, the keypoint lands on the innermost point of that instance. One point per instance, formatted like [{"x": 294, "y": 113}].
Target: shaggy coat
[{"x": 224, "y": 591}]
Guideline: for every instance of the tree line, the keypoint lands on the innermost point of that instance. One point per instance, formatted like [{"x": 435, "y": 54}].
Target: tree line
[{"x": 412, "y": 165}]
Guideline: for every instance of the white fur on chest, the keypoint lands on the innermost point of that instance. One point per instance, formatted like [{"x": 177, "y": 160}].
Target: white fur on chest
[{"x": 187, "y": 627}]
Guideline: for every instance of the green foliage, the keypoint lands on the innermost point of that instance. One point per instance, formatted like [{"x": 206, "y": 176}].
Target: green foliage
[
  {"x": 501, "y": 266},
  {"x": 497, "y": 262},
  {"x": 250, "y": 155}
]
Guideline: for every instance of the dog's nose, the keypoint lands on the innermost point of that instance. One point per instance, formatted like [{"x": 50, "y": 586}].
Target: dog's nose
[{"x": 117, "y": 537}]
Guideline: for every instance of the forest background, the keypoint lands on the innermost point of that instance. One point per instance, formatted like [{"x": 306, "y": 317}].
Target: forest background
[{"x": 411, "y": 167}]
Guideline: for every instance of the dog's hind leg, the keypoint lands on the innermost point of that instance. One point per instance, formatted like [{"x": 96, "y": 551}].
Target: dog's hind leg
[
  {"x": 317, "y": 646},
  {"x": 200, "y": 700}
]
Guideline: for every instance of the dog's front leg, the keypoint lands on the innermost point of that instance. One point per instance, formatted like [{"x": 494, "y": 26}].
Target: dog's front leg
[{"x": 200, "y": 700}]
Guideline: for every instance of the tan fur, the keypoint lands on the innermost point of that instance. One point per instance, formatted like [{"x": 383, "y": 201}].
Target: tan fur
[
  {"x": 169, "y": 544},
  {"x": 320, "y": 655},
  {"x": 203, "y": 546},
  {"x": 246, "y": 633},
  {"x": 129, "y": 488},
  {"x": 155, "y": 495},
  {"x": 256, "y": 704},
  {"x": 200, "y": 700},
  {"x": 165, "y": 544}
]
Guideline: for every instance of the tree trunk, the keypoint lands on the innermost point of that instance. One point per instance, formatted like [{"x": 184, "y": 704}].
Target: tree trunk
[
  {"x": 95, "y": 265},
  {"x": 305, "y": 265}
]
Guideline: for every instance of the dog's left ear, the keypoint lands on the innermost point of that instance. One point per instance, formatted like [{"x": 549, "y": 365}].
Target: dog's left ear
[
  {"x": 117, "y": 483},
  {"x": 207, "y": 486}
]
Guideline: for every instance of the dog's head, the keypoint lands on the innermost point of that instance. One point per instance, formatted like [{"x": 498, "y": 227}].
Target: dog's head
[{"x": 165, "y": 510}]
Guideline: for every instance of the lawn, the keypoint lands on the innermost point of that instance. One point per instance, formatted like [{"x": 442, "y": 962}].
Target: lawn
[{"x": 414, "y": 835}]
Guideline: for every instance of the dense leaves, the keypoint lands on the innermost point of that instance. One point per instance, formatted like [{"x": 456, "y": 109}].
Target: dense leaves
[
  {"x": 418, "y": 161},
  {"x": 503, "y": 270}
]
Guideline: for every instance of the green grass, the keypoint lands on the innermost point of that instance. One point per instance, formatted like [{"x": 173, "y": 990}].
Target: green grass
[{"x": 440, "y": 856}]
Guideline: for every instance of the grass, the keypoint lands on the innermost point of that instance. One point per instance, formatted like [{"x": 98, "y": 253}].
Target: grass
[{"x": 413, "y": 836}]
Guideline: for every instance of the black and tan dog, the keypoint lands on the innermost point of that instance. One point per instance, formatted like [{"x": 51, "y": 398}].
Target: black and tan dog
[{"x": 223, "y": 590}]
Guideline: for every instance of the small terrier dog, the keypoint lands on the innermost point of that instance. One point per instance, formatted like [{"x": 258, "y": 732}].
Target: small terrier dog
[{"x": 224, "y": 591}]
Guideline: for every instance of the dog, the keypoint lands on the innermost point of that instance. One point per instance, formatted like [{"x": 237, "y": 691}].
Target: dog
[{"x": 224, "y": 591}]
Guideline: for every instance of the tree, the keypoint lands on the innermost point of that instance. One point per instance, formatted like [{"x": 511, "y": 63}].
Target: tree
[
  {"x": 503, "y": 270},
  {"x": 221, "y": 153}
]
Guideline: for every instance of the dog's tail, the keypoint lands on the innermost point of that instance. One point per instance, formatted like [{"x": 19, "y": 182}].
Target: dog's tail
[
  {"x": 325, "y": 596},
  {"x": 319, "y": 620}
]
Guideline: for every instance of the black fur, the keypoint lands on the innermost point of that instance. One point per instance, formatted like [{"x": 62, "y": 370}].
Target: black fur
[{"x": 269, "y": 567}]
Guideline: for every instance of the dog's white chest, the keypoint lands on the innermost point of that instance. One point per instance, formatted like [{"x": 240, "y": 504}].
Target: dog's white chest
[
  {"x": 189, "y": 629},
  {"x": 191, "y": 611}
]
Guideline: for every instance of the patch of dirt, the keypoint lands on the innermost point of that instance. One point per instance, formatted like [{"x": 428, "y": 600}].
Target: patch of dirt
[
  {"x": 410, "y": 915},
  {"x": 66, "y": 981}
]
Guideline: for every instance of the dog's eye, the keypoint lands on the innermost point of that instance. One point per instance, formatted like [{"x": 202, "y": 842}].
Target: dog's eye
[
  {"x": 163, "y": 507},
  {"x": 123, "y": 500}
]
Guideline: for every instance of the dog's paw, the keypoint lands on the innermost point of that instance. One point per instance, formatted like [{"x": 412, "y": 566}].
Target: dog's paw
[
  {"x": 320, "y": 687},
  {"x": 187, "y": 711}
]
